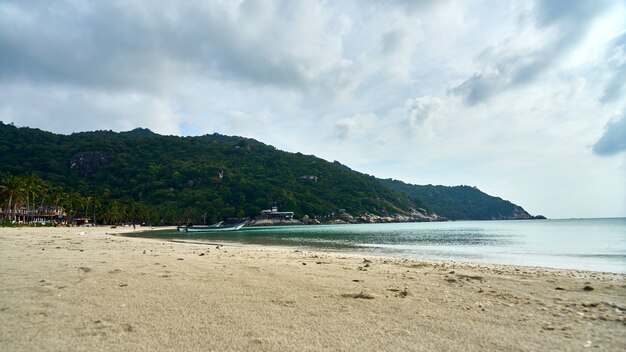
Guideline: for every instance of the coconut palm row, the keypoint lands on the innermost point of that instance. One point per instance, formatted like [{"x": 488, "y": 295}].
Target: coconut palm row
[{"x": 24, "y": 198}]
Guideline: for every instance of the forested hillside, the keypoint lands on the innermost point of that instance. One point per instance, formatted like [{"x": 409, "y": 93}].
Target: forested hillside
[
  {"x": 460, "y": 202},
  {"x": 170, "y": 179},
  {"x": 186, "y": 177}
]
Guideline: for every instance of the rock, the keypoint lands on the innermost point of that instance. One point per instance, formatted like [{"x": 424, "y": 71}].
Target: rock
[
  {"x": 87, "y": 163},
  {"x": 587, "y": 288},
  {"x": 364, "y": 295},
  {"x": 201, "y": 254},
  {"x": 470, "y": 277}
]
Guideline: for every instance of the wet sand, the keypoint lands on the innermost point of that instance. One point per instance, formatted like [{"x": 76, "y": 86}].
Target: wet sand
[{"x": 84, "y": 290}]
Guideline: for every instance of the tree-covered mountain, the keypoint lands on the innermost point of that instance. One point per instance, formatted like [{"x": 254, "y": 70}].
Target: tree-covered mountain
[
  {"x": 460, "y": 202},
  {"x": 177, "y": 178}
]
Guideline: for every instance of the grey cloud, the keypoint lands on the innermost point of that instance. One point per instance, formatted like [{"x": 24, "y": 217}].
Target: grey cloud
[
  {"x": 153, "y": 45},
  {"x": 613, "y": 140},
  {"x": 341, "y": 131},
  {"x": 358, "y": 126},
  {"x": 102, "y": 46},
  {"x": 616, "y": 86},
  {"x": 475, "y": 89},
  {"x": 391, "y": 41},
  {"x": 550, "y": 12},
  {"x": 507, "y": 68},
  {"x": 412, "y": 6},
  {"x": 419, "y": 109}
]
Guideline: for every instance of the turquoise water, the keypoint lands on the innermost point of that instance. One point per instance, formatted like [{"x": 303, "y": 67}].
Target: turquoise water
[{"x": 587, "y": 244}]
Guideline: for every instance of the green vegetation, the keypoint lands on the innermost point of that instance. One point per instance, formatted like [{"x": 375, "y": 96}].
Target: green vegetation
[
  {"x": 460, "y": 202},
  {"x": 32, "y": 200},
  {"x": 144, "y": 177}
]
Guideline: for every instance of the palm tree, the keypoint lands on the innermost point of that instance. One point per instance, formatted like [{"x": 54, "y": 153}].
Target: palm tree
[
  {"x": 96, "y": 204},
  {"x": 71, "y": 203},
  {"x": 115, "y": 212},
  {"x": 56, "y": 196},
  {"x": 33, "y": 188},
  {"x": 14, "y": 188},
  {"x": 44, "y": 188},
  {"x": 86, "y": 202}
]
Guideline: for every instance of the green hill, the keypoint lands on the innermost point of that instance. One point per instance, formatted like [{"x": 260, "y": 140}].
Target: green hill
[
  {"x": 177, "y": 178},
  {"x": 460, "y": 202}
]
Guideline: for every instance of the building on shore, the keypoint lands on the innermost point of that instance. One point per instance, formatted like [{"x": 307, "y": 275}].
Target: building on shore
[
  {"x": 44, "y": 216},
  {"x": 22, "y": 215},
  {"x": 275, "y": 214}
]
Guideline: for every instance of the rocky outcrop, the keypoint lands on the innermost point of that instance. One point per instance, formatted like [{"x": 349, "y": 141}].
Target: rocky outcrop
[
  {"x": 87, "y": 163},
  {"x": 518, "y": 213},
  {"x": 311, "y": 178},
  {"x": 417, "y": 215},
  {"x": 274, "y": 222}
]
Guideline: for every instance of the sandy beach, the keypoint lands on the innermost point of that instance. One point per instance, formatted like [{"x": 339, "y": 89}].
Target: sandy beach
[{"x": 77, "y": 289}]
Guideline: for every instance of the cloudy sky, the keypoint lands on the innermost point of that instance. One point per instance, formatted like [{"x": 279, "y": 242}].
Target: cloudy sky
[{"x": 523, "y": 99}]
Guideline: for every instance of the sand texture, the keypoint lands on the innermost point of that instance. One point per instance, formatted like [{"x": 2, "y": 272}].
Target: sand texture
[{"x": 65, "y": 291}]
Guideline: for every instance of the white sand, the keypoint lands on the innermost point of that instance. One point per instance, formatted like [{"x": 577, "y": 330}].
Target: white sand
[{"x": 60, "y": 291}]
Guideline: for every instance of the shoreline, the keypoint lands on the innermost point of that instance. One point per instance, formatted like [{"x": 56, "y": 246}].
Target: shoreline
[
  {"x": 105, "y": 291},
  {"x": 380, "y": 250},
  {"x": 349, "y": 251}
]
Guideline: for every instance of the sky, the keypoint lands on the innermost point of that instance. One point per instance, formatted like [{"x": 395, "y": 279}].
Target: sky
[{"x": 525, "y": 100}]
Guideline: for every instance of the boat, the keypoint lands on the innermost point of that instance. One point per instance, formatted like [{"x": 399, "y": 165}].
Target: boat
[
  {"x": 183, "y": 228},
  {"x": 210, "y": 228}
]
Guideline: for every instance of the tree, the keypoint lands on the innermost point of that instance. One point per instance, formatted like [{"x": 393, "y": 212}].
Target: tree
[
  {"x": 97, "y": 202},
  {"x": 34, "y": 187},
  {"x": 71, "y": 203},
  {"x": 13, "y": 187},
  {"x": 115, "y": 212}
]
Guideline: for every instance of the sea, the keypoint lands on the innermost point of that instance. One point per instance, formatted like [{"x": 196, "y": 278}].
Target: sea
[{"x": 584, "y": 244}]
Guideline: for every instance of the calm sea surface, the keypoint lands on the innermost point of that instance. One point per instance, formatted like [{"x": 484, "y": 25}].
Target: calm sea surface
[{"x": 588, "y": 244}]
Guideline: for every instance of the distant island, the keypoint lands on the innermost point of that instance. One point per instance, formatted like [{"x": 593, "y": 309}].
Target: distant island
[{"x": 142, "y": 177}]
